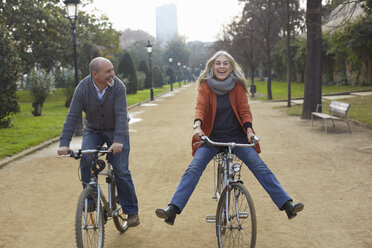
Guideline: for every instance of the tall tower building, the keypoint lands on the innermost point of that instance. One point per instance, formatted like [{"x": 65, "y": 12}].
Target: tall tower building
[{"x": 166, "y": 23}]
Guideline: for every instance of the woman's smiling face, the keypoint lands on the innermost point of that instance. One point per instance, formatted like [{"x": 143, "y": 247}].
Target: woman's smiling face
[{"x": 221, "y": 68}]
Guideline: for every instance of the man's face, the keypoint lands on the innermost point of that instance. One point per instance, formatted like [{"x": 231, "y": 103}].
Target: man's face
[{"x": 105, "y": 74}]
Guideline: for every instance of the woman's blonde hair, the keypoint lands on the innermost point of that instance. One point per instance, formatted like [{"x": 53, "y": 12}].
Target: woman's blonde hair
[{"x": 236, "y": 72}]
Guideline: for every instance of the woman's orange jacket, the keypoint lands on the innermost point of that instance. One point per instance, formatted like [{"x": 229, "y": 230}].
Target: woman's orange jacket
[{"x": 206, "y": 106}]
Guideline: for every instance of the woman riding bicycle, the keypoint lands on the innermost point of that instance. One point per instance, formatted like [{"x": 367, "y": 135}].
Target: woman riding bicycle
[{"x": 223, "y": 114}]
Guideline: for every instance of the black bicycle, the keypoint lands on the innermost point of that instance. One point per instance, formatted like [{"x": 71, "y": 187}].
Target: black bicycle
[{"x": 93, "y": 209}]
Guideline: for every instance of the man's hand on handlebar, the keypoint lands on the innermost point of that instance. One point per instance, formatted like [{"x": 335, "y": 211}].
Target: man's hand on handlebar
[
  {"x": 115, "y": 147},
  {"x": 63, "y": 150}
]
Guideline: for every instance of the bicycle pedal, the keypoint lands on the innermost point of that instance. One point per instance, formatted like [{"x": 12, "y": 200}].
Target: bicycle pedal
[
  {"x": 211, "y": 218},
  {"x": 243, "y": 215}
]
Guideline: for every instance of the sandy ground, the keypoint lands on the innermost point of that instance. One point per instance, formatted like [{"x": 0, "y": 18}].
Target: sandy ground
[{"x": 330, "y": 173}]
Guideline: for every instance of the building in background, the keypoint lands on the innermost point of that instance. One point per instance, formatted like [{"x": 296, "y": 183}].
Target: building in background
[{"x": 166, "y": 23}]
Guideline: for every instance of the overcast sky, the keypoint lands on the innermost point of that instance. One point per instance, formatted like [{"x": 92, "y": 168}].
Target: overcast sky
[{"x": 197, "y": 19}]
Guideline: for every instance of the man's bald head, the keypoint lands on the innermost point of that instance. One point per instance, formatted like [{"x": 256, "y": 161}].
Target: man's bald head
[
  {"x": 102, "y": 72},
  {"x": 96, "y": 64}
]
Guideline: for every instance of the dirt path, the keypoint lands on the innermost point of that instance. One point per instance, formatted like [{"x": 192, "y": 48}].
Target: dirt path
[{"x": 331, "y": 174}]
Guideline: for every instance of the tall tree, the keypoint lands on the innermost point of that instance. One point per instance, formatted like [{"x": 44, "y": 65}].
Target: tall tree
[
  {"x": 39, "y": 29},
  {"x": 290, "y": 19},
  {"x": 265, "y": 14},
  {"x": 177, "y": 50},
  {"x": 245, "y": 45},
  {"x": 200, "y": 52},
  {"x": 42, "y": 34},
  {"x": 313, "y": 69}
]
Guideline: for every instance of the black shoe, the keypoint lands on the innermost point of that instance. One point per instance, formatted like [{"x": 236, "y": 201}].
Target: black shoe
[
  {"x": 292, "y": 209},
  {"x": 169, "y": 214},
  {"x": 133, "y": 220}
]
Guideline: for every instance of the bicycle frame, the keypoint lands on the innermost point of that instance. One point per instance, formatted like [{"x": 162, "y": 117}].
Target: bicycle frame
[
  {"x": 225, "y": 172},
  {"x": 227, "y": 177},
  {"x": 95, "y": 184}
]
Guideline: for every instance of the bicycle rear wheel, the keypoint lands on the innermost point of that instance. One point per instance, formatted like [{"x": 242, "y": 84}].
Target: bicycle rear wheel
[
  {"x": 237, "y": 226},
  {"x": 89, "y": 225},
  {"x": 120, "y": 219}
]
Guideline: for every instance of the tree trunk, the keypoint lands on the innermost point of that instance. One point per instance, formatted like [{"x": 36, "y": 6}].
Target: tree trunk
[
  {"x": 252, "y": 74},
  {"x": 37, "y": 108},
  {"x": 288, "y": 56},
  {"x": 313, "y": 68},
  {"x": 268, "y": 54}
]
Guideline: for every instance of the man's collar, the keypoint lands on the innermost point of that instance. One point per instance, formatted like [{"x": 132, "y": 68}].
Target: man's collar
[{"x": 97, "y": 86}]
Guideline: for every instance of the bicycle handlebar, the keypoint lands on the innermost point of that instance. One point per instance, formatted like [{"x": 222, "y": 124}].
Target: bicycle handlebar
[
  {"x": 255, "y": 140},
  {"x": 77, "y": 154}
]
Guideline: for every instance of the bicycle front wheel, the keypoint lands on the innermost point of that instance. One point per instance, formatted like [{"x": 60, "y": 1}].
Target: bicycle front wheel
[
  {"x": 89, "y": 225},
  {"x": 120, "y": 219},
  {"x": 236, "y": 218}
]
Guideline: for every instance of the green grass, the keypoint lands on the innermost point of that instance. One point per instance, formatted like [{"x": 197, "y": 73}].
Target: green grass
[
  {"x": 142, "y": 95},
  {"x": 280, "y": 90},
  {"x": 28, "y": 131},
  {"x": 360, "y": 109}
]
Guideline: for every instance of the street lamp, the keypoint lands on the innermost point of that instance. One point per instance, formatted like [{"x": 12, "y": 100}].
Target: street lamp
[
  {"x": 170, "y": 73},
  {"x": 184, "y": 75},
  {"x": 149, "y": 51},
  {"x": 179, "y": 76},
  {"x": 72, "y": 15}
]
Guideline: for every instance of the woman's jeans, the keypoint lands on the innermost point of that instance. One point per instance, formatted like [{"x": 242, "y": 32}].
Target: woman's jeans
[
  {"x": 249, "y": 156},
  {"x": 119, "y": 161}
]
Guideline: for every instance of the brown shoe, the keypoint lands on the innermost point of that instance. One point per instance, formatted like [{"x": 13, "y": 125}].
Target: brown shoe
[{"x": 133, "y": 220}]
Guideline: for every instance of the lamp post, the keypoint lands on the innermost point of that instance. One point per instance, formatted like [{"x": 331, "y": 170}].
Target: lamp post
[
  {"x": 184, "y": 75},
  {"x": 72, "y": 15},
  {"x": 170, "y": 73},
  {"x": 149, "y": 51},
  {"x": 252, "y": 88},
  {"x": 179, "y": 76}
]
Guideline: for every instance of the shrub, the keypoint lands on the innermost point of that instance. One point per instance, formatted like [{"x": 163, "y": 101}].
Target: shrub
[
  {"x": 9, "y": 71},
  {"x": 145, "y": 69},
  {"x": 157, "y": 77},
  {"x": 65, "y": 79},
  {"x": 127, "y": 70},
  {"x": 41, "y": 84},
  {"x": 141, "y": 76}
]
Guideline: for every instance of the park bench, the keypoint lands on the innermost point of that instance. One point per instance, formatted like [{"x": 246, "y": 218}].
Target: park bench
[{"x": 337, "y": 111}]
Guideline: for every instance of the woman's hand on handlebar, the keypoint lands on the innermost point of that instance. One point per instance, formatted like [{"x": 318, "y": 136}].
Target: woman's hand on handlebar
[
  {"x": 250, "y": 135},
  {"x": 198, "y": 132}
]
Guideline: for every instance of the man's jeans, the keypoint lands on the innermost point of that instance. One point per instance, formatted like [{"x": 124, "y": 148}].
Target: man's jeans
[
  {"x": 119, "y": 161},
  {"x": 249, "y": 156}
]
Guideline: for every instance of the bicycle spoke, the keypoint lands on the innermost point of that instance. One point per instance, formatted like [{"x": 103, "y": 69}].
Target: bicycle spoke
[{"x": 240, "y": 230}]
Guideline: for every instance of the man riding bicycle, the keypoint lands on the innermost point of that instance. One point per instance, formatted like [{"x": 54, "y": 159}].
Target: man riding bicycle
[{"x": 102, "y": 96}]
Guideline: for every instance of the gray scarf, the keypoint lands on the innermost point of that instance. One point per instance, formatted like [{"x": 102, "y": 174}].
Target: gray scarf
[{"x": 221, "y": 87}]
